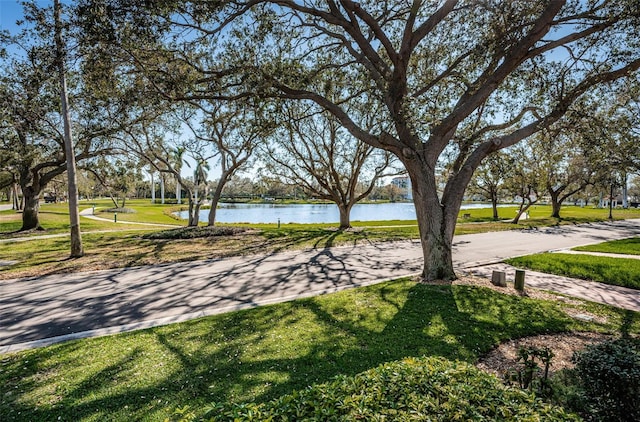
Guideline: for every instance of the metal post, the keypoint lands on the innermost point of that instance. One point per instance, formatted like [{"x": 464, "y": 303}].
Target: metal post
[
  {"x": 278, "y": 223},
  {"x": 115, "y": 217}
]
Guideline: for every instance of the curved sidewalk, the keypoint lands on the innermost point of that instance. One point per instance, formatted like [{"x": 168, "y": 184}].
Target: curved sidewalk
[
  {"x": 86, "y": 213},
  {"x": 49, "y": 309},
  {"x": 621, "y": 297}
]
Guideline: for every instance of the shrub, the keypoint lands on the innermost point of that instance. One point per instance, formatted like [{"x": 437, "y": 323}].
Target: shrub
[
  {"x": 121, "y": 210},
  {"x": 427, "y": 388},
  {"x": 609, "y": 374},
  {"x": 195, "y": 232},
  {"x": 529, "y": 374}
]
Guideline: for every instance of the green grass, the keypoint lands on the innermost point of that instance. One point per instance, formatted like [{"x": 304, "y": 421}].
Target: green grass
[
  {"x": 54, "y": 218},
  {"x": 145, "y": 212},
  {"x": 260, "y": 354},
  {"x": 615, "y": 271},
  {"x": 623, "y": 246},
  {"x": 125, "y": 246}
]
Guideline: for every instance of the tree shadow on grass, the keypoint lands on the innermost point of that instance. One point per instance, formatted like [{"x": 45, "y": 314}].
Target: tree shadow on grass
[
  {"x": 629, "y": 318},
  {"x": 263, "y": 353},
  {"x": 285, "y": 239}
]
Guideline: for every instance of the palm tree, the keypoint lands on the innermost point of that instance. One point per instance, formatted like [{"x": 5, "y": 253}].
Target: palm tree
[{"x": 177, "y": 155}]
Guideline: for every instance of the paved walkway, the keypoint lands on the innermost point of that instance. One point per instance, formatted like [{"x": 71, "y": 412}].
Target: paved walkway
[
  {"x": 90, "y": 214},
  {"x": 620, "y": 297},
  {"x": 86, "y": 213},
  {"x": 45, "y": 310}
]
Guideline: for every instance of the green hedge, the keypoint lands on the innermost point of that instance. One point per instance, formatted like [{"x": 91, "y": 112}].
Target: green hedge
[
  {"x": 428, "y": 388},
  {"x": 610, "y": 377},
  {"x": 195, "y": 232}
]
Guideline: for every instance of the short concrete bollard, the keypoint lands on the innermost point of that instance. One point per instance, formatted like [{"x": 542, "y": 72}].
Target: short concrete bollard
[
  {"x": 519, "y": 283},
  {"x": 499, "y": 278}
]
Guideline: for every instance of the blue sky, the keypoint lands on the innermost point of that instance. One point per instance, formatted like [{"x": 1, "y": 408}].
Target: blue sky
[{"x": 10, "y": 12}]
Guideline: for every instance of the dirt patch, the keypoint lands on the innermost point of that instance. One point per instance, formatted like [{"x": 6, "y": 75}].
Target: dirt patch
[
  {"x": 503, "y": 358},
  {"x": 473, "y": 280}
]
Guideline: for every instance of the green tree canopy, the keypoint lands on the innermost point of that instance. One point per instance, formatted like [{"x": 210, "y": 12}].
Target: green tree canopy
[{"x": 461, "y": 79}]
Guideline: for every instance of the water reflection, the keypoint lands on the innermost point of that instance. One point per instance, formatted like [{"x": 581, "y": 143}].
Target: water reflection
[{"x": 313, "y": 213}]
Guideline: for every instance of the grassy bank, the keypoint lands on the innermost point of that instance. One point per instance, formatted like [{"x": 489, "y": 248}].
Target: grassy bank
[
  {"x": 263, "y": 353},
  {"x": 54, "y": 218},
  {"x": 623, "y": 246}
]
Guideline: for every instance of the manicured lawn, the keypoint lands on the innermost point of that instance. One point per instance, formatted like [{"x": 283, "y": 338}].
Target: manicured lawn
[
  {"x": 616, "y": 271},
  {"x": 623, "y": 246},
  {"x": 260, "y": 354},
  {"x": 125, "y": 246},
  {"x": 144, "y": 212},
  {"x": 54, "y": 219}
]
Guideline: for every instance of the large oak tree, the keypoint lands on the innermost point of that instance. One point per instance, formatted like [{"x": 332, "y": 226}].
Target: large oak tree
[{"x": 461, "y": 79}]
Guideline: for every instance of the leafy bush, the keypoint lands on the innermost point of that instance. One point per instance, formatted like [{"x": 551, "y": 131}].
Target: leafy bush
[
  {"x": 195, "y": 232},
  {"x": 529, "y": 373},
  {"x": 167, "y": 201},
  {"x": 609, "y": 374},
  {"x": 121, "y": 210},
  {"x": 427, "y": 388}
]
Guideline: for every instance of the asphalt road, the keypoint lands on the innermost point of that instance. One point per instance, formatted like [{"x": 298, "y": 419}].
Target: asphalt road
[{"x": 45, "y": 310}]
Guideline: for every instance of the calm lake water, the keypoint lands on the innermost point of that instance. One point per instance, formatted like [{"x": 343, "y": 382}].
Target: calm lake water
[{"x": 312, "y": 213}]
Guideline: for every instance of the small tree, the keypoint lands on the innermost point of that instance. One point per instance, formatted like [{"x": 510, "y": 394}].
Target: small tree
[
  {"x": 117, "y": 178},
  {"x": 314, "y": 151},
  {"x": 523, "y": 180},
  {"x": 232, "y": 131},
  {"x": 489, "y": 179}
]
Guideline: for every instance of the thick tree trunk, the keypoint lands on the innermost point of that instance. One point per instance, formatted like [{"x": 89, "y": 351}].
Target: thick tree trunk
[
  {"x": 556, "y": 203},
  {"x": 178, "y": 192},
  {"x": 436, "y": 226},
  {"x": 555, "y": 207},
  {"x": 494, "y": 204},
  {"x": 190, "y": 219},
  {"x": 215, "y": 198},
  {"x": 30, "y": 213},
  {"x": 345, "y": 215},
  {"x": 212, "y": 212}
]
